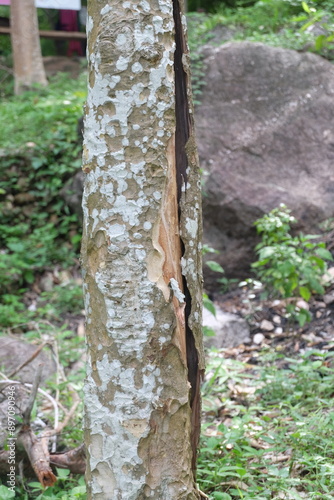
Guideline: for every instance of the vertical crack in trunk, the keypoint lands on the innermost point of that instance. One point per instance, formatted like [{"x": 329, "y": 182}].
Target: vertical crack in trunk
[
  {"x": 182, "y": 135},
  {"x": 182, "y": 132}
]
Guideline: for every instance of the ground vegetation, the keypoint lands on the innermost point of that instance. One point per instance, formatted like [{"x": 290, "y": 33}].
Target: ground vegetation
[{"x": 267, "y": 407}]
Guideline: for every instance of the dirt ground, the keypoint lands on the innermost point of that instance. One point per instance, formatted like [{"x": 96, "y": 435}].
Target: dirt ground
[{"x": 62, "y": 64}]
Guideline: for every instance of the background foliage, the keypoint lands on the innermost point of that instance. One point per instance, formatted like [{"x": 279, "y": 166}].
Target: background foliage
[{"x": 39, "y": 234}]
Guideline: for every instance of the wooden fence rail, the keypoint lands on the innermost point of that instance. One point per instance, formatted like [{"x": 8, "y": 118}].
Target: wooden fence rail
[{"x": 60, "y": 35}]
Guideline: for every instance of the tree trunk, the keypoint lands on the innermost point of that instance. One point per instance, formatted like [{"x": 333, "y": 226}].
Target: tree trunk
[
  {"x": 27, "y": 56},
  {"x": 141, "y": 255}
]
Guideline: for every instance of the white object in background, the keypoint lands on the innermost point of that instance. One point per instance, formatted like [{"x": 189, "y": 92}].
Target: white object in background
[
  {"x": 53, "y": 4},
  {"x": 59, "y": 4}
]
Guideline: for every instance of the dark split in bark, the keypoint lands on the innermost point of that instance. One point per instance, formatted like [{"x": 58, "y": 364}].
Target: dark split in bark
[{"x": 184, "y": 129}]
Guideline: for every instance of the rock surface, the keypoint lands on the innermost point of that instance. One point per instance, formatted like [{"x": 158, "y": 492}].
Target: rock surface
[
  {"x": 14, "y": 352},
  {"x": 265, "y": 136},
  {"x": 231, "y": 330}
]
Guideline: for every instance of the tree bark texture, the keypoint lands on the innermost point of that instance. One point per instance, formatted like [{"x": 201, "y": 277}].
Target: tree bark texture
[
  {"x": 141, "y": 255},
  {"x": 27, "y": 56}
]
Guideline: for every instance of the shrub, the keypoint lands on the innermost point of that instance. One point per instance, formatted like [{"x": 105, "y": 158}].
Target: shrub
[{"x": 289, "y": 266}]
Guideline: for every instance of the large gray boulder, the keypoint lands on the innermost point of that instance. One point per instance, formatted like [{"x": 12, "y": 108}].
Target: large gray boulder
[
  {"x": 265, "y": 135},
  {"x": 230, "y": 330}
]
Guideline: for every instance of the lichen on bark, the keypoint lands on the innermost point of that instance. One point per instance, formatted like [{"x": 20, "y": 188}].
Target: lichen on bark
[{"x": 140, "y": 252}]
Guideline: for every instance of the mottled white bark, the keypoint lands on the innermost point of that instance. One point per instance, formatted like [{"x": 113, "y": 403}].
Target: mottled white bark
[
  {"x": 141, "y": 257},
  {"x": 27, "y": 56}
]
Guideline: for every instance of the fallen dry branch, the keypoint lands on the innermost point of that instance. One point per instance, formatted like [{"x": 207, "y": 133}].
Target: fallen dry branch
[
  {"x": 36, "y": 449},
  {"x": 73, "y": 460},
  {"x": 38, "y": 454},
  {"x": 32, "y": 455}
]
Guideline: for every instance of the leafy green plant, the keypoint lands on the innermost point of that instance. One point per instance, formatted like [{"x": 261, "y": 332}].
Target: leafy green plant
[
  {"x": 64, "y": 299},
  {"x": 279, "y": 23},
  {"x": 26, "y": 253},
  {"x": 266, "y": 428},
  {"x": 207, "y": 302},
  {"x": 13, "y": 311},
  {"x": 198, "y": 35},
  {"x": 41, "y": 150},
  {"x": 223, "y": 281},
  {"x": 44, "y": 116},
  {"x": 324, "y": 20},
  {"x": 68, "y": 349},
  {"x": 6, "y": 493},
  {"x": 75, "y": 489},
  {"x": 289, "y": 266}
]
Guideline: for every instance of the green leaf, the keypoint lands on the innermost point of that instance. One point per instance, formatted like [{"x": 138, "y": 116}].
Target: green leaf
[
  {"x": 324, "y": 253},
  {"x": 320, "y": 42},
  {"x": 311, "y": 236},
  {"x": 208, "y": 332},
  {"x": 6, "y": 493},
  {"x": 316, "y": 286},
  {"x": 62, "y": 473},
  {"x": 306, "y": 7},
  {"x": 214, "y": 266},
  {"x": 208, "y": 304},
  {"x": 296, "y": 435},
  {"x": 260, "y": 263},
  {"x": 16, "y": 246},
  {"x": 207, "y": 249},
  {"x": 305, "y": 293},
  {"x": 217, "y": 495},
  {"x": 303, "y": 317},
  {"x": 29, "y": 276},
  {"x": 321, "y": 264},
  {"x": 267, "y": 252},
  {"x": 287, "y": 268},
  {"x": 78, "y": 491},
  {"x": 298, "y": 19},
  {"x": 35, "y": 484},
  {"x": 37, "y": 162},
  {"x": 76, "y": 239}
]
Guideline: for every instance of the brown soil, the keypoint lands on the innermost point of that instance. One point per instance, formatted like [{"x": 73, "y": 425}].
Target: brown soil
[{"x": 62, "y": 64}]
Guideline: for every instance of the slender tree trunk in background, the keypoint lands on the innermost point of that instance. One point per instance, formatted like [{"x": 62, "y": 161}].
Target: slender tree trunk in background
[
  {"x": 27, "y": 56},
  {"x": 141, "y": 255}
]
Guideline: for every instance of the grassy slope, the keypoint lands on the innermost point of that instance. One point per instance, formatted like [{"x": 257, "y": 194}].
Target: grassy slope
[{"x": 266, "y": 428}]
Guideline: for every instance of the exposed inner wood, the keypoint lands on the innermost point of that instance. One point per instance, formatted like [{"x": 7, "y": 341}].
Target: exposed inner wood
[
  {"x": 182, "y": 135},
  {"x": 170, "y": 244}
]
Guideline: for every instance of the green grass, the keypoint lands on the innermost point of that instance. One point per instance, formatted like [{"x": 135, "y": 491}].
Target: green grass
[
  {"x": 40, "y": 151},
  {"x": 267, "y": 431},
  {"x": 267, "y": 427},
  {"x": 279, "y": 23},
  {"x": 48, "y": 324},
  {"x": 44, "y": 115}
]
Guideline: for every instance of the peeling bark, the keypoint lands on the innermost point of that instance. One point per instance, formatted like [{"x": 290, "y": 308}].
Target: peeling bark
[
  {"x": 141, "y": 256},
  {"x": 186, "y": 156}
]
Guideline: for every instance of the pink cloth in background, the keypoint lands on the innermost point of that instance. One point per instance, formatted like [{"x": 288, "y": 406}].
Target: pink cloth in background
[{"x": 68, "y": 21}]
